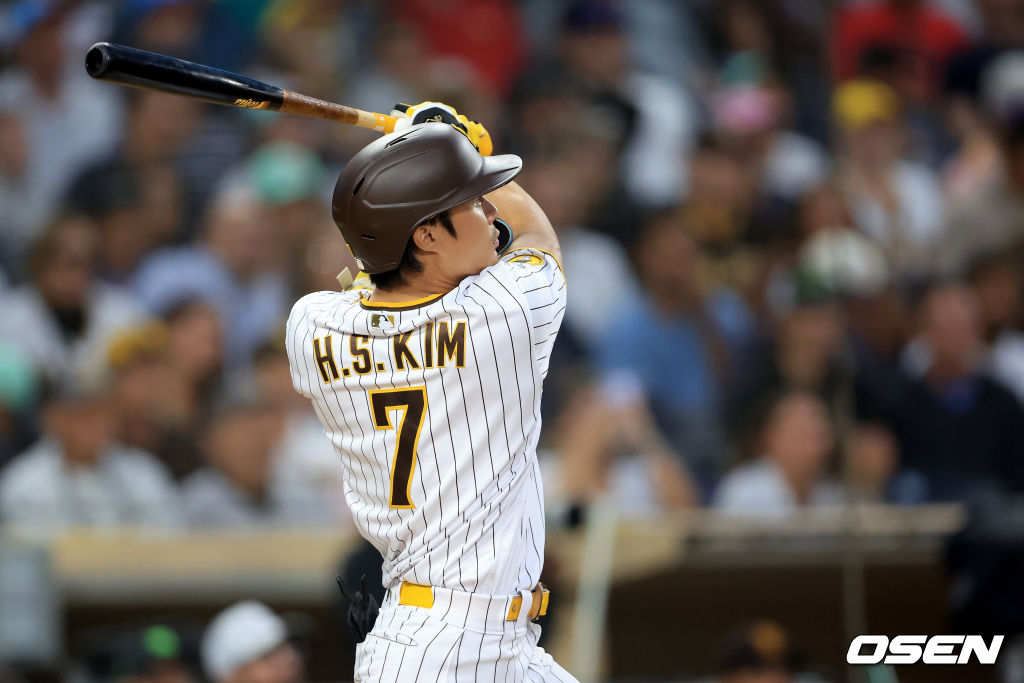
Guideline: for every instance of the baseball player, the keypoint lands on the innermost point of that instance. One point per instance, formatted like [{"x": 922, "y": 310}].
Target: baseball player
[{"x": 429, "y": 384}]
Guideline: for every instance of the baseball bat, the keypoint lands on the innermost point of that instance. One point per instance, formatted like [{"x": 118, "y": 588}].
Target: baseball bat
[{"x": 128, "y": 66}]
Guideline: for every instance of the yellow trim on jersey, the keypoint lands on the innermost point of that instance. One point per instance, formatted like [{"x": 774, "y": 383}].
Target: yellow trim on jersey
[
  {"x": 399, "y": 305},
  {"x": 510, "y": 256}
]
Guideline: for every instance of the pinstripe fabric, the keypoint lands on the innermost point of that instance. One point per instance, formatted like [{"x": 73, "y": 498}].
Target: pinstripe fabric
[
  {"x": 475, "y": 519},
  {"x": 441, "y": 644}
]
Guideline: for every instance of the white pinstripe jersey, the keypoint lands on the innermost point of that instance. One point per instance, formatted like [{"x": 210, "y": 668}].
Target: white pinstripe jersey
[{"x": 434, "y": 408}]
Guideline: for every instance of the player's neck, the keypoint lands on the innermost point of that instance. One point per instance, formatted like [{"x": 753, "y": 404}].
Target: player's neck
[{"x": 421, "y": 286}]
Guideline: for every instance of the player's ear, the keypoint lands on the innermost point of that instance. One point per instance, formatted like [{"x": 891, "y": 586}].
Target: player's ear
[{"x": 424, "y": 238}]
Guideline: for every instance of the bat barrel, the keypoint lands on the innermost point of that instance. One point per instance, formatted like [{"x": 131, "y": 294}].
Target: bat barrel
[
  {"x": 121, "y": 64},
  {"x": 97, "y": 60}
]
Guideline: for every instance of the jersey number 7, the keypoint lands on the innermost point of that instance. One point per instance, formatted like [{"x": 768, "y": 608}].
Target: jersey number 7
[{"x": 413, "y": 402}]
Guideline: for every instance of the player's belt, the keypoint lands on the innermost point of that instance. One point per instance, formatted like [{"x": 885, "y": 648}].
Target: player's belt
[{"x": 417, "y": 595}]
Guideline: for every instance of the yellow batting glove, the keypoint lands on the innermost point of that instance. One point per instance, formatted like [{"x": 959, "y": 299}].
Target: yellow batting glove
[
  {"x": 425, "y": 112},
  {"x": 478, "y": 135}
]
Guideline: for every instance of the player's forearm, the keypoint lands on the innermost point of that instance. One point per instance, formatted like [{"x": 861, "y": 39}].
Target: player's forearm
[{"x": 529, "y": 224}]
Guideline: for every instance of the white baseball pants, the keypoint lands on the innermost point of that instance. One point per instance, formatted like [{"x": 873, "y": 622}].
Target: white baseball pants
[{"x": 462, "y": 637}]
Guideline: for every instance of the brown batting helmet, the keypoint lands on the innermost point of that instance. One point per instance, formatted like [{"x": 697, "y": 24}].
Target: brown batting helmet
[{"x": 400, "y": 180}]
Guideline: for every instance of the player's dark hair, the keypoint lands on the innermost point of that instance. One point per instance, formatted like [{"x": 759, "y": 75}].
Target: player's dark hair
[{"x": 409, "y": 263}]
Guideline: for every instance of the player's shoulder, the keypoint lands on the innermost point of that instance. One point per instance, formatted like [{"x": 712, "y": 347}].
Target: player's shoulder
[
  {"x": 515, "y": 269},
  {"x": 520, "y": 281},
  {"x": 316, "y": 304}
]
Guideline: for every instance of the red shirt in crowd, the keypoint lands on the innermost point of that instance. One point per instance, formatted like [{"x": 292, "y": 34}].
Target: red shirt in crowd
[
  {"x": 487, "y": 34},
  {"x": 924, "y": 36}
]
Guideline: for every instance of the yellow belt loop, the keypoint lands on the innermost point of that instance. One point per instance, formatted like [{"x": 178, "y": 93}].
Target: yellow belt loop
[
  {"x": 415, "y": 595},
  {"x": 513, "y": 610}
]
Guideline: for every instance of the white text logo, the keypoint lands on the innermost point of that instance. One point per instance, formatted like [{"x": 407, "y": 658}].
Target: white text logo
[{"x": 930, "y": 650}]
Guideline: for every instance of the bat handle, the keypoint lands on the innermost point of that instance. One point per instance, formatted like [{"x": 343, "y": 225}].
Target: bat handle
[{"x": 297, "y": 103}]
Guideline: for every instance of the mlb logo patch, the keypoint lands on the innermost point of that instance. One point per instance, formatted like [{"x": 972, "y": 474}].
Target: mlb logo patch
[{"x": 381, "y": 321}]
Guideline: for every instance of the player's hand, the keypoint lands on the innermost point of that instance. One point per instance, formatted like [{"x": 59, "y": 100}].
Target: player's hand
[{"x": 423, "y": 112}]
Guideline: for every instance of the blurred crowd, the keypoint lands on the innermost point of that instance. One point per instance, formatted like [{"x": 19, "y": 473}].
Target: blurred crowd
[{"x": 793, "y": 234}]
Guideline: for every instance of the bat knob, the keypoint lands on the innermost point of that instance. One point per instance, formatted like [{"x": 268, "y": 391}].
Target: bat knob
[{"x": 97, "y": 60}]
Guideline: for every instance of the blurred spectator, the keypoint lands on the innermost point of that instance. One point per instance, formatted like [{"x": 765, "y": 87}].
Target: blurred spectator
[
  {"x": 759, "y": 652},
  {"x": 597, "y": 268},
  {"x": 894, "y": 201},
  {"x": 195, "y": 350},
  {"x": 234, "y": 269},
  {"x": 844, "y": 260},
  {"x": 135, "y": 208},
  {"x": 610, "y": 448},
  {"x": 959, "y": 430},
  {"x": 995, "y": 282},
  {"x": 803, "y": 352},
  {"x": 159, "y": 127},
  {"x": 64, "y": 320},
  {"x": 240, "y": 486},
  {"x": 234, "y": 488},
  {"x": 992, "y": 217},
  {"x": 78, "y": 475},
  {"x": 322, "y": 259},
  {"x": 304, "y": 458},
  {"x": 398, "y": 73},
  {"x": 664, "y": 38},
  {"x": 879, "y": 325},
  {"x": 917, "y": 32},
  {"x": 677, "y": 340},
  {"x": 248, "y": 643},
  {"x": 789, "y": 39},
  {"x": 24, "y": 209},
  {"x": 759, "y": 42},
  {"x": 150, "y": 654},
  {"x": 469, "y": 30},
  {"x": 155, "y": 407},
  {"x": 977, "y": 160},
  {"x": 316, "y": 42},
  {"x": 195, "y": 361},
  {"x": 654, "y": 119},
  {"x": 291, "y": 183},
  {"x": 872, "y": 462},
  {"x": 170, "y": 27},
  {"x": 553, "y": 123},
  {"x": 406, "y": 71},
  {"x": 720, "y": 215},
  {"x": 792, "y": 446},
  {"x": 750, "y": 117},
  {"x": 171, "y": 146},
  {"x": 50, "y": 105},
  {"x": 166, "y": 376},
  {"x": 19, "y": 388}
]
